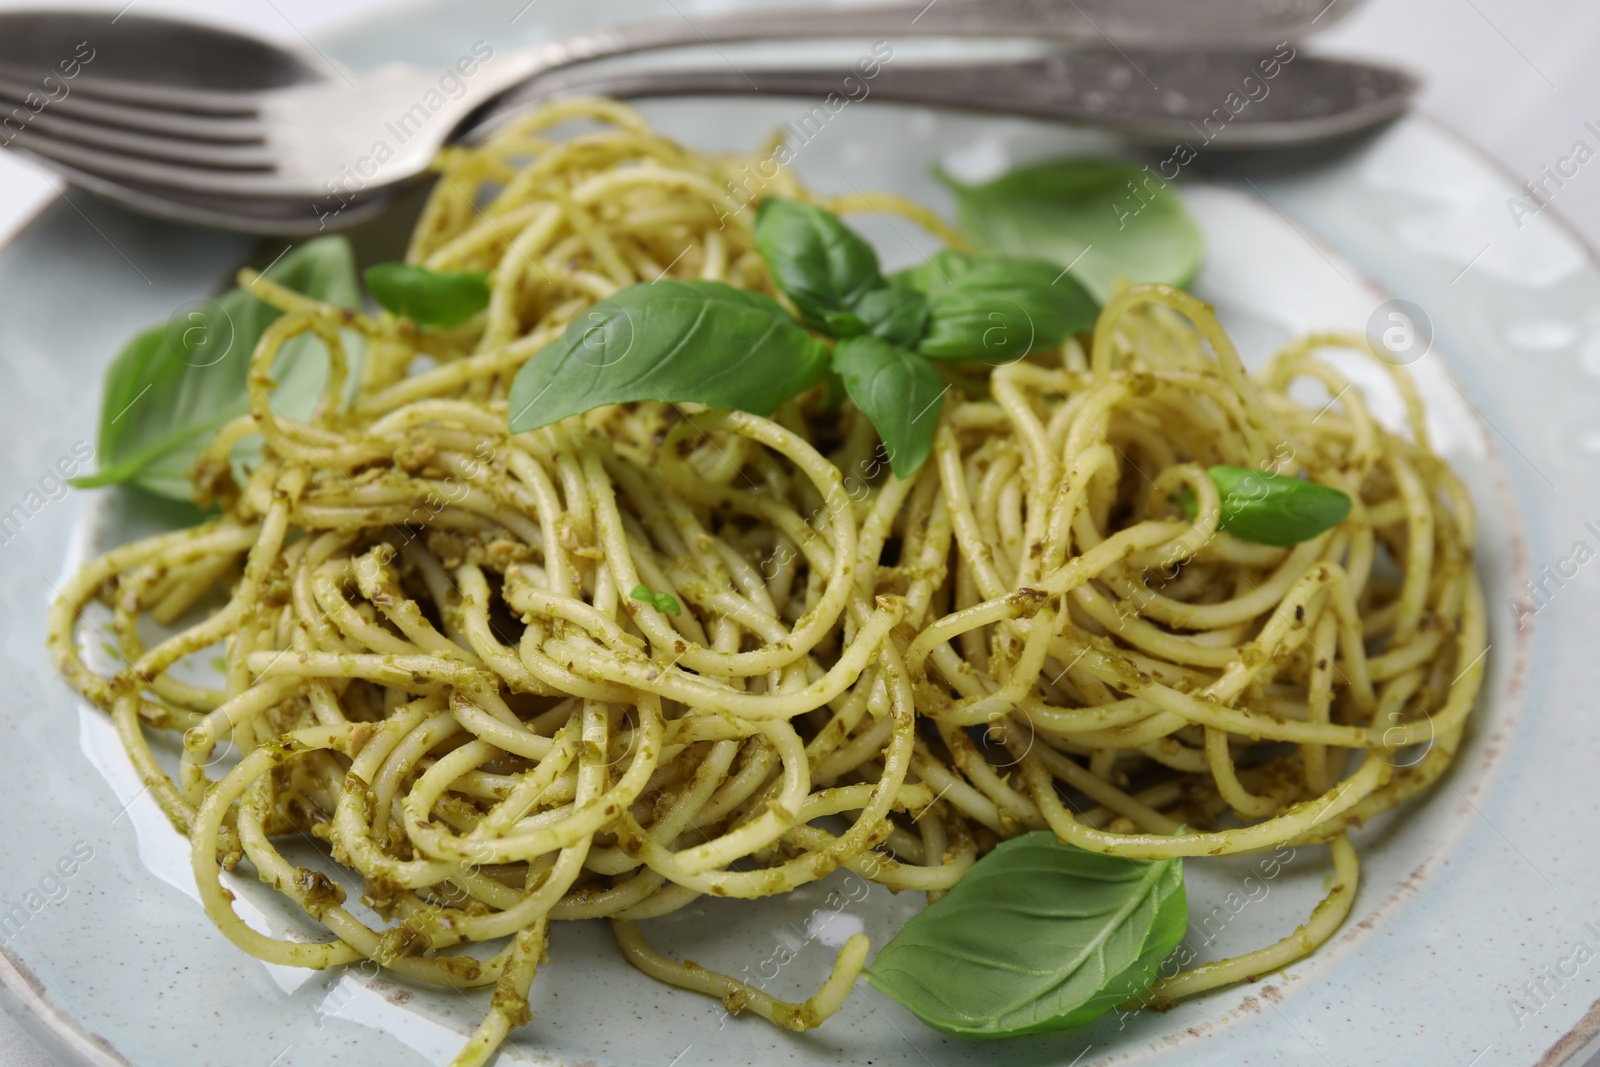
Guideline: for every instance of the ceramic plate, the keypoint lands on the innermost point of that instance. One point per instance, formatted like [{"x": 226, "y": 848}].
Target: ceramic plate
[{"x": 1474, "y": 940}]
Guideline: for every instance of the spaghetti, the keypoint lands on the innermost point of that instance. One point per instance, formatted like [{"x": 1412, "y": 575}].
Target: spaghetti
[{"x": 433, "y": 663}]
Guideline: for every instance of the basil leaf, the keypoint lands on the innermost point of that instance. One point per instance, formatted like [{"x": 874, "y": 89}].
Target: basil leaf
[
  {"x": 821, "y": 265},
  {"x": 428, "y": 297},
  {"x": 899, "y": 391},
  {"x": 935, "y": 274},
  {"x": 673, "y": 341},
  {"x": 1038, "y": 936},
  {"x": 665, "y": 603},
  {"x": 174, "y": 385},
  {"x": 1273, "y": 509},
  {"x": 899, "y": 316},
  {"x": 1001, "y": 308},
  {"x": 1108, "y": 218}
]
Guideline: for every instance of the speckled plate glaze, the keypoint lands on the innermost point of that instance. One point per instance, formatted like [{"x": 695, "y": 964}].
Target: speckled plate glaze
[{"x": 1475, "y": 937}]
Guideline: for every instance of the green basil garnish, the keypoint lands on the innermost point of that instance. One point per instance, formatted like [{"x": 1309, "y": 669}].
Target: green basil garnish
[
  {"x": 899, "y": 391},
  {"x": 673, "y": 341},
  {"x": 933, "y": 275},
  {"x": 821, "y": 265},
  {"x": 711, "y": 344},
  {"x": 1272, "y": 509},
  {"x": 899, "y": 316},
  {"x": 665, "y": 603},
  {"x": 428, "y": 297},
  {"x": 1107, "y": 218},
  {"x": 176, "y": 384},
  {"x": 1036, "y": 937},
  {"x": 999, "y": 308}
]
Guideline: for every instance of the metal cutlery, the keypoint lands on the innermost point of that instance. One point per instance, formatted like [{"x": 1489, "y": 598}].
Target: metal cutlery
[
  {"x": 259, "y": 138},
  {"x": 1215, "y": 99}
]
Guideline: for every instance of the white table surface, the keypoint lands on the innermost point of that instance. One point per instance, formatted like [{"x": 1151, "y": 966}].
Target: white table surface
[{"x": 1517, "y": 77}]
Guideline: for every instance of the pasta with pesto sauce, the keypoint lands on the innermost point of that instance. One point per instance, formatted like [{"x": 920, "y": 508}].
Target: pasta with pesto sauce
[{"x": 433, "y": 664}]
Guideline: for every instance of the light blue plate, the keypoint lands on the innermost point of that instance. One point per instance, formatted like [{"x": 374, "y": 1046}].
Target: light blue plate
[{"x": 1464, "y": 938}]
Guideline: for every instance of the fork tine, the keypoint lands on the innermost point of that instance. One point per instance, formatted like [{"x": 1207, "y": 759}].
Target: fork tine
[
  {"x": 211, "y": 129},
  {"x": 117, "y": 166},
  {"x": 151, "y": 146},
  {"x": 273, "y": 216},
  {"x": 176, "y": 98}
]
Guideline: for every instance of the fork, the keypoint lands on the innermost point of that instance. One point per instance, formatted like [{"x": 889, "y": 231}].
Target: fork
[
  {"x": 340, "y": 140},
  {"x": 1312, "y": 99}
]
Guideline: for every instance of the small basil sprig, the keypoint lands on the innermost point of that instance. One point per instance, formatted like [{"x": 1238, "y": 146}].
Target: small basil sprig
[
  {"x": 704, "y": 342},
  {"x": 428, "y": 297},
  {"x": 1272, "y": 509},
  {"x": 176, "y": 384},
  {"x": 1038, "y": 936},
  {"x": 958, "y": 308},
  {"x": 1104, "y": 218},
  {"x": 954, "y": 306},
  {"x": 665, "y": 603}
]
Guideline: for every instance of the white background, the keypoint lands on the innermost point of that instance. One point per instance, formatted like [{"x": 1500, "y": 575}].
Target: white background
[{"x": 1517, "y": 77}]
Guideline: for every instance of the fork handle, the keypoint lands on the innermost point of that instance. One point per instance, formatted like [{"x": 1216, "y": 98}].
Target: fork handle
[
  {"x": 1144, "y": 23},
  {"x": 1313, "y": 97},
  {"x": 1186, "y": 24}
]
